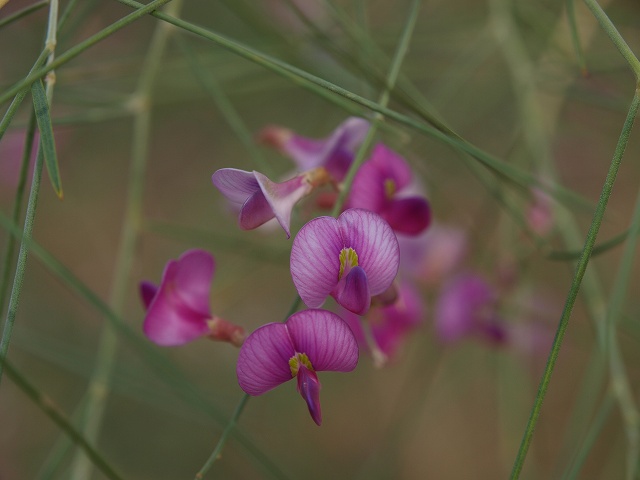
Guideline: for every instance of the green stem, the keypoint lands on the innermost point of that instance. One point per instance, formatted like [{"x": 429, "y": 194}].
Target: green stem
[
  {"x": 51, "y": 410},
  {"x": 17, "y": 207},
  {"x": 392, "y": 77},
  {"x": 98, "y": 388},
  {"x": 611, "y": 30},
  {"x": 575, "y": 286},
  {"x": 223, "y": 438},
  {"x": 23, "y": 13},
  {"x": 14, "y": 300},
  {"x": 575, "y": 37}
]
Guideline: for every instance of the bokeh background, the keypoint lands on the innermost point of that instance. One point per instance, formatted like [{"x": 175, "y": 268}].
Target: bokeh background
[{"x": 503, "y": 74}]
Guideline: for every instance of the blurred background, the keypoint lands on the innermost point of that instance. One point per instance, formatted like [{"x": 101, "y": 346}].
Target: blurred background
[{"x": 504, "y": 75}]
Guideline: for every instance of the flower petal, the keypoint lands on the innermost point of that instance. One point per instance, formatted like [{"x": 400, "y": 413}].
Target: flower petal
[
  {"x": 368, "y": 188},
  {"x": 353, "y": 293},
  {"x": 376, "y": 245},
  {"x": 148, "y": 291},
  {"x": 392, "y": 166},
  {"x": 236, "y": 185},
  {"x": 263, "y": 362},
  {"x": 256, "y": 211},
  {"x": 282, "y": 197},
  {"x": 325, "y": 338},
  {"x": 334, "y": 152},
  {"x": 180, "y": 309},
  {"x": 309, "y": 388},
  {"x": 410, "y": 215},
  {"x": 315, "y": 260}
]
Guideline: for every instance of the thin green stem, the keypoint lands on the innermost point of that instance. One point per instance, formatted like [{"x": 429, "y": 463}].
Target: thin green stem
[
  {"x": 229, "y": 112},
  {"x": 32, "y": 203},
  {"x": 17, "y": 208},
  {"x": 23, "y": 13},
  {"x": 599, "y": 249},
  {"x": 611, "y": 30},
  {"x": 312, "y": 82},
  {"x": 575, "y": 37},
  {"x": 76, "y": 50},
  {"x": 575, "y": 285},
  {"x": 392, "y": 77},
  {"x": 223, "y": 438},
  {"x": 51, "y": 410},
  {"x": 98, "y": 388}
]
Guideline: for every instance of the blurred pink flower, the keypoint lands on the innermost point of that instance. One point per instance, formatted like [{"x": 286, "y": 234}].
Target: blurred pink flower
[
  {"x": 539, "y": 214},
  {"x": 390, "y": 324},
  {"x": 434, "y": 255},
  {"x": 178, "y": 310},
  {"x": 467, "y": 306}
]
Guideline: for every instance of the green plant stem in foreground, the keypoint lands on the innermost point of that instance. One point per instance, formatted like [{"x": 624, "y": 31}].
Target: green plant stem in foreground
[
  {"x": 575, "y": 285},
  {"x": 51, "y": 410},
  {"x": 223, "y": 438},
  {"x": 23, "y": 13}
]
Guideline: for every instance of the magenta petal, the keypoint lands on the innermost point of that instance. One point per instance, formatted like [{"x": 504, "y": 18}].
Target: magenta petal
[
  {"x": 315, "y": 260},
  {"x": 236, "y": 185},
  {"x": 353, "y": 292},
  {"x": 282, "y": 197},
  {"x": 263, "y": 362},
  {"x": 148, "y": 291},
  {"x": 376, "y": 245},
  {"x": 392, "y": 166},
  {"x": 256, "y": 211},
  {"x": 325, "y": 338},
  {"x": 309, "y": 388},
  {"x": 368, "y": 188},
  {"x": 180, "y": 309},
  {"x": 410, "y": 215},
  {"x": 337, "y": 150}
]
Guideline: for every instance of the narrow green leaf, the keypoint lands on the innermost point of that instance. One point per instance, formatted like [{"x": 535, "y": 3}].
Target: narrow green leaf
[{"x": 47, "y": 142}]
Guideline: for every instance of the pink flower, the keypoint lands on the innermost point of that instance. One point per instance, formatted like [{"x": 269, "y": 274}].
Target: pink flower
[
  {"x": 308, "y": 342},
  {"x": 391, "y": 324},
  {"x": 261, "y": 199},
  {"x": 178, "y": 310},
  {"x": 434, "y": 255},
  {"x": 351, "y": 258},
  {"x": 467, "y": 306},
  {"x": 335, "y": 153},
  {"x": 382, "y": 185}
]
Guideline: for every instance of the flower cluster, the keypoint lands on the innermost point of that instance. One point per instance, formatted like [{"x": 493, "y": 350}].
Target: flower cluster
[{"x": 355, "y": 259}]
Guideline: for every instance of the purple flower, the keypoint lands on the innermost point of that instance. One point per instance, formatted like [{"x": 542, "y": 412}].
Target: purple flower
[
  {"x": 178, "y": 310},
  {"x": 308, "y": 342},
  {"x": 335, "y": 153},
  {"x": 467, "y": 306},
  {"x": 351, "y": 258},
  {"x": 434, "y": 255},
  {"x": 261, "y": 199},
  {"x": 391, "y": 324},
  {"x": 382, "y": 185}
]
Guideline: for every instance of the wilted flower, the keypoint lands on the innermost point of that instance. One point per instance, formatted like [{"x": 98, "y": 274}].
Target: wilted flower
[
  {"x": 261, "y": 199},
  {"x": 308, "y": 342},
  {"x": 382, "y": 185},
  {"x": 335, "y": 153},
  {"x": 389, "y": 324},
  {"x": 467, "y": 306},
  {"x": 178, "y": 310},
  {"x": 351, "y": 258}
]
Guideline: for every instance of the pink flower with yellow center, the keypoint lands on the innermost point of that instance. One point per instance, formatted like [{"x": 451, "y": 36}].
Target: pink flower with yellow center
[
  {"x": 351, "y": 258},
  {"x": 308, "y": 342}
]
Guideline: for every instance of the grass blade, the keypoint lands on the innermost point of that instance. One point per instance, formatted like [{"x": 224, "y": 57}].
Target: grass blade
[{"x": 47, "y": 140}]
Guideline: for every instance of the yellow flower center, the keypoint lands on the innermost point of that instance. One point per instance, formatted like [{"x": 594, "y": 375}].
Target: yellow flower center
[
  {"x": 348, "y": 257},
  {"x": 389, "y": 187},
  {"x": 297, "y": 360}
]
